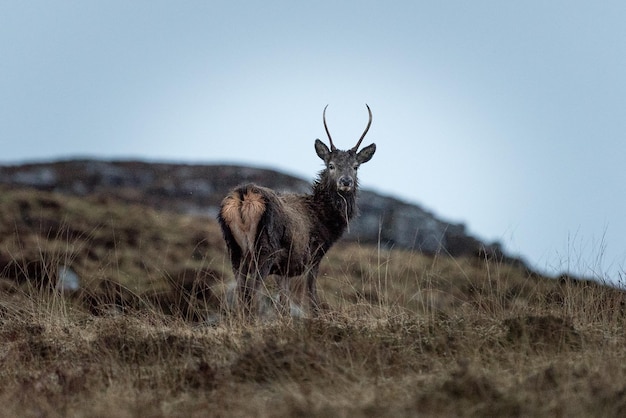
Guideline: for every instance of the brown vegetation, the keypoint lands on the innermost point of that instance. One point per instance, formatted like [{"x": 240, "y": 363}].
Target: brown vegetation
[{"x": 402, "y": 334}]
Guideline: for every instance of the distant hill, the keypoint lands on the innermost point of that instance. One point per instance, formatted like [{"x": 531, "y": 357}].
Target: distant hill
[{"x": 198, "y": 189}]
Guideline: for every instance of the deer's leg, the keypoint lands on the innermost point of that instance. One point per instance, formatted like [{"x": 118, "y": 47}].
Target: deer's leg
[
  {"x": 311, "y": 289},
  {"x": 259, "y": 267},
  {"x": 246, "y": 284}
]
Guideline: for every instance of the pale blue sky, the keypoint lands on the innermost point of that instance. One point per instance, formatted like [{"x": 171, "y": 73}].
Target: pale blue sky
[{"x": 507, "y": 116}]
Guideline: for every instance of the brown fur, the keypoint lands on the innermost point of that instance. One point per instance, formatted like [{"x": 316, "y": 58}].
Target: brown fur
[{"x": 242, "y": 215}]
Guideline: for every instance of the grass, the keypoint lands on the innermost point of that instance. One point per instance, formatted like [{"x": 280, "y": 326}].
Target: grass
[{"x": 402, "y": 334}]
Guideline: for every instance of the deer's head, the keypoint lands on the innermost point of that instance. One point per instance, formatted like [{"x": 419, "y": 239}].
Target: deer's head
[{"x": 342, "y": 166}]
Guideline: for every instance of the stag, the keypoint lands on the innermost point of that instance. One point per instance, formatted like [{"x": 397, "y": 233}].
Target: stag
[{"x": 267, "y": 232}]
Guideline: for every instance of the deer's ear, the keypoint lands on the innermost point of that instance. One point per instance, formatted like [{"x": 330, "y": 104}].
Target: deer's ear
[
  {"x": 322, "y": 150},
  {"x": 366, "y": 154}
]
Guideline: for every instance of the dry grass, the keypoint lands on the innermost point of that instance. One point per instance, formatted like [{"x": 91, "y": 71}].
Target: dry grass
[{"x": 403, "y": 334}]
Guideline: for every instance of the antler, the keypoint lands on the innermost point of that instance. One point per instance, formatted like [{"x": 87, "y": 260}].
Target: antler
[
  {"x": 332, "y": 146},
  {"x": 367, "y": 128}
]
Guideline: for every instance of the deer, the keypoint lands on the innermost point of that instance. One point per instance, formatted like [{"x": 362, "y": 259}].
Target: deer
[{"x": 287, "y": 234}]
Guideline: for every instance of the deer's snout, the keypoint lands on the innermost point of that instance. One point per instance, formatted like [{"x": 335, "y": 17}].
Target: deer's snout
[{"x": 345, "y": 183}]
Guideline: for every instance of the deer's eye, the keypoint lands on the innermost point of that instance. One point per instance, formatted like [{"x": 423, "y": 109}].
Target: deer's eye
[
  {"x": 331, "y": 166},
  {"x": 355, "y": 167}
]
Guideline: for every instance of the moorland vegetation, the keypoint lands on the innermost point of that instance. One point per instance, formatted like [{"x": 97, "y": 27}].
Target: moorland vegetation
[{"x": 146, "y": 332}]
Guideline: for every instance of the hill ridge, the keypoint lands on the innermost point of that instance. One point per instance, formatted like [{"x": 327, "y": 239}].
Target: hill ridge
[{"x": 198, "y": 189}]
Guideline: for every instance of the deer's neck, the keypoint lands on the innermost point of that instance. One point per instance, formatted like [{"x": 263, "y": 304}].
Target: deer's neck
[{"x": 335, "y": 209}]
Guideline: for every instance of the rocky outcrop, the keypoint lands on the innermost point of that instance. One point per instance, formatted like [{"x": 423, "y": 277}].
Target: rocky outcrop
[{"x": 198, "y": 189}]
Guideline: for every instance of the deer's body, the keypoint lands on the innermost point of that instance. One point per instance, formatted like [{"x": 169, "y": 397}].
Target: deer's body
[{"x": 288, "y": 234}]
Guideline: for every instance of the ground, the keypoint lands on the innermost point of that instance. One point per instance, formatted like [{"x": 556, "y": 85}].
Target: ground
[{"x": 401, "y": 334}]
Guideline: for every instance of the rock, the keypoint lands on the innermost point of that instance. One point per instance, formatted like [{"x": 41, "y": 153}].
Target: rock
[{"x": 67, "y": 280}]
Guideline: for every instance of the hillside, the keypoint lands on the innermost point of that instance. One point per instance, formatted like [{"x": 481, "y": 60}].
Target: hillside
[
  {"x": 113, "y": 308},
  {"x": 198, "y": 189}
]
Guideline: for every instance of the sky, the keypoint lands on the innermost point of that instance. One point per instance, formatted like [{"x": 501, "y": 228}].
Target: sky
[{"x": 509, "y": 117}]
